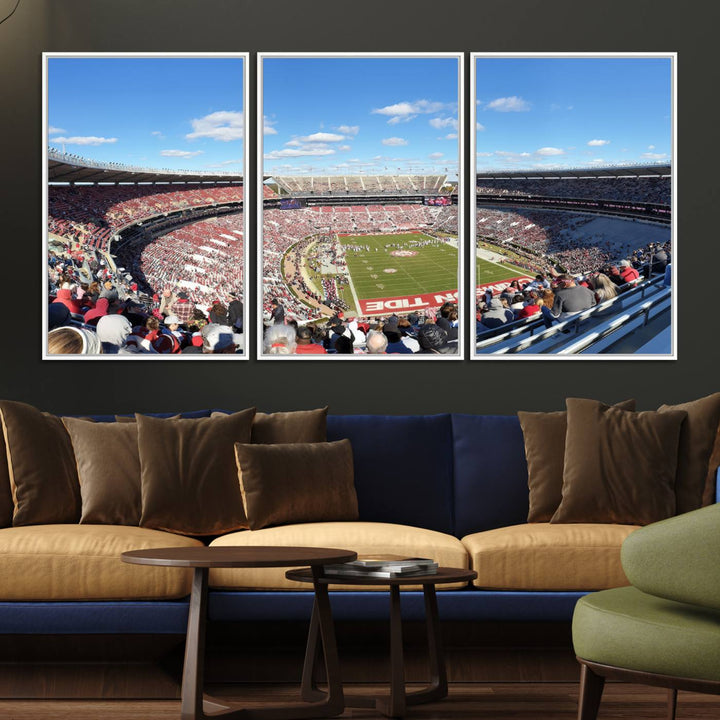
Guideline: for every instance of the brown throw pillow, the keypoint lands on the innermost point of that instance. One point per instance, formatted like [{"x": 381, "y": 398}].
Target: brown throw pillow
[
  {"x": 188, "y": 473},
  {"x": 620, "y": 466},
  {"x": 108, "y": 466},
  {"x": 297, "y": 483},
  {"x": 298, "y": 426},
  {"x": 6, "y": 499},
  {"x": 544, "y": 435},
  {"x": 710, "y": 492},
  {"x": 41, "y": 466},
  {"x": 697, "y": 439}
]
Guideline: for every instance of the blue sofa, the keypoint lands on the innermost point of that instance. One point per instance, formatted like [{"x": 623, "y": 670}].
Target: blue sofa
[{"x": 454, "y": 474}]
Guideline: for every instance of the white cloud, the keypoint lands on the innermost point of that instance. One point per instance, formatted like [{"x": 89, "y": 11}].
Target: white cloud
[
  {"x": 508, "y": 104},
  {"x": 348, "y": 129},
  {"x": 55, "y": 130},
  {"x": 181, "y": 153},
  {"x": 598, "y": 143},
  {"x": 436, "y": 155},
  {"x": 268, "y": 128},
  {"x": 400, "y": 119},
  {"x": 654, "y": 156},
  {"x": 479, "y": 127},
  {"x": 549, "y": 151},
  {"x": 84, "y": 140},
  {"x": 223, "y": 125},
  {"x": 394, "y": 141},
  {"x": 344, "y": 147},
  {"x": 448, "y": 122},
  {"x": 322, "y": 137},
  {"x": 306, "y": 150},
  {"x": 158, "y": 134},
  {"x": 651, "y": 147},
  {"x": 451, "y": 136},
  {"x": 597, "y": 161},
  {"x": 484, "y": 154},
  {"x": 406, "y": 111},
  {"x": 225, "y": 162}
]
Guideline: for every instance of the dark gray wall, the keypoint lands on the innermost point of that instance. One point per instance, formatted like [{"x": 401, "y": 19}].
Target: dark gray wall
[{"x": 690, "y": 28}]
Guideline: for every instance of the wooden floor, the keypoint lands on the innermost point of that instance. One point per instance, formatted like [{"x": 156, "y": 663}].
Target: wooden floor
[{"x": 476, "y": 701}]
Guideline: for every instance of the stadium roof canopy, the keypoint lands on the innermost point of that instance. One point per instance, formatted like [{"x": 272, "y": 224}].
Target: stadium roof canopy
[
  {"x": 66, "y": 168},
  {"x": 601, "y": 171}
]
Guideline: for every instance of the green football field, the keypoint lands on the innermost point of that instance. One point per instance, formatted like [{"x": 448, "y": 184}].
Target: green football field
[
  {"x": 433, "y": 269},
  {"x": 490, "y": 272}
]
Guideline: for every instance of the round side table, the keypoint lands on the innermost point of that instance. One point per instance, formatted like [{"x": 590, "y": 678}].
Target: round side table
[
  {"x": 201, "y": 559},
  {"x": 395, "y": 704}
]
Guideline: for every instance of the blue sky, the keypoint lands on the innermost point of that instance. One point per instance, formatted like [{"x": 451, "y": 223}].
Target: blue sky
[
  {"x": 350, "y": 116},
  {"x": 176, "y": 113},
  {"x": 572, "y": 112}
]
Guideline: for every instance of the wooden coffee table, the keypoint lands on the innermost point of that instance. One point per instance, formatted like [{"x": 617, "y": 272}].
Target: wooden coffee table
[
  {"x": 201, "y": 559},
  {"x": 396, "y": 703}
]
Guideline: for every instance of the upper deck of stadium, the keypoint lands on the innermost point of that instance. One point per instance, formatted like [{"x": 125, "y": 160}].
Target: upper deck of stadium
[
  {"x": 594, "y": 171},
  {"x": 69, "y": 168}
]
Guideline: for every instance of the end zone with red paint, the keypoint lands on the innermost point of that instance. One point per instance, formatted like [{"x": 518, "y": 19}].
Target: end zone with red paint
[
  {"x": 407, "y": 303},
  {"x": 498, "y": 287}
]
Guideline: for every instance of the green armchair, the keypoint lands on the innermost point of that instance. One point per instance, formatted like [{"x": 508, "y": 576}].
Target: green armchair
[{"x": 664, "y": 629}]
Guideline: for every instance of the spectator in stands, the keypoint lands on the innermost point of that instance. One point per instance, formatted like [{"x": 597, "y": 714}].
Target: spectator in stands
[
  {"x": 604, "y": 288},
  {"x": 166, "y": 301},
  {"x": 517, "y": 303},
  {"x": 433, "y": 340},
  {"x": 448, "y": 319},
  {"x": 628, "y": 273},
  {"x": 571, "y": 299},
  {"x": 65, "y": 296},
  {"x": 531, "y": 306},
  {"x": 277, "y": 314},
  {"x": 235, "y": 312},
  {"x": 73, "y": 341},
  {"x": 395, "y": 339},
  {"x": 101, "y": 308},
  {"x": 219, "y": 339},
  {"x": 496, "y": 315},
  {"x": 58, "y": 315},
  {"x": 110, "y": 292},
  {"x": 279, "y": 339},
  {"x": 376, "y": 343},
  {"x": 658, "y": 262},
  {"x": 305, "y": 344},
  {"x": 343, "y": 345},
  {"x": 113, "y": 332},
  {"x": 219, "y": 314},
  {"x": 183, "y": 308}
]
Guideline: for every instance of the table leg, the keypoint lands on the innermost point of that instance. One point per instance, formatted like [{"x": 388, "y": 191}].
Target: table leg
[
  {"x": 438, "y": 687},
  {"x": 394, "y": 706},
  {"x": 193, "y": 669},
  {"x": 195, "y": 707}
]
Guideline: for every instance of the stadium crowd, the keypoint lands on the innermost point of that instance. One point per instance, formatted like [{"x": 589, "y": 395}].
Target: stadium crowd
[
  {"x": 553, "y": 296},
  {"x": 541, "y": 236},
  {"x": 430, "y": 332},
  {"x": 284, "y": 228},
  {"x": 91, "y": 214},
  {"x": 639, "y": 189}
]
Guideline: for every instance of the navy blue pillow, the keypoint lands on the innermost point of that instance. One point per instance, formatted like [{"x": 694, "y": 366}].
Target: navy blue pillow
[
  {"x": 403, "y": 467},
  {"x": 491, "y": 478}
]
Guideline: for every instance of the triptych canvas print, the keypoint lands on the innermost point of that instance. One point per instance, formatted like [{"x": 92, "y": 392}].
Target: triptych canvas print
[{"x": 390, "y": 221}]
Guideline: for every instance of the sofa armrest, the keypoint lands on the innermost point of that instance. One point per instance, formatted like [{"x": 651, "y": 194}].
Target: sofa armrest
[{"x": 677, "y": 558}]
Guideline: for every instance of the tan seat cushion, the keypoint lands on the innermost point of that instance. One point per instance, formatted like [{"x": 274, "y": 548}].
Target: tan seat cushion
[
  {"x": 82, "y": 562},
  {"x": 365, "y": 538},
  {"x": 544, "y": 556}
]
